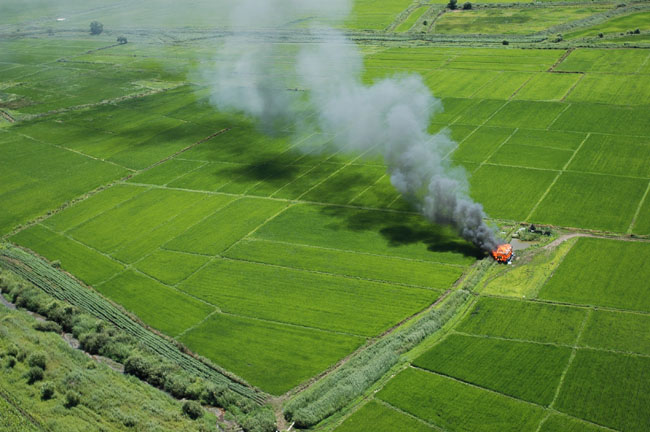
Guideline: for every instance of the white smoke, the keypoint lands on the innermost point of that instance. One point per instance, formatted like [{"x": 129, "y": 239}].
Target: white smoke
[{"x": 389, "y": 117}]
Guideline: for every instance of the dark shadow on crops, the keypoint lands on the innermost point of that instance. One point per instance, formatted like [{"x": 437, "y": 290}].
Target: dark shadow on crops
[{"x": 404, "y": 229}]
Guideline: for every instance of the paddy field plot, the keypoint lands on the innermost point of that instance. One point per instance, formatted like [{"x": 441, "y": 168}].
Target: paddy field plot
[
  {"x": 382, "y": 418},
  {"x": 604, "y": 273},
  {"x": 595, "y": 379},
  {"x": 516, "y": 319},
  {"x": 451, "y": 404},
  {"x": 510, "y": 20},
  {"x": 618, "y": 24},
  {"x": 524, "y": 370}
]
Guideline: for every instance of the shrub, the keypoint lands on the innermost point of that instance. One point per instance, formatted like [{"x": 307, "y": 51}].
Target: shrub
[
  {"x": 72, "y": 399},
  {"x": 505, "y": 42},
  {"x": 176, "y": 386},
  {"x": 93, "y": 343},
  {"x": 34, "y": 374},
  {"x": 47, "y": 326},
  {"x": 425, "y": 22},
  {"x": 637, "y": 31},
  {"x": 259, "y": 421},
  {"x": 56, "y": 264},
  {"x": 47, "y": 391},
  {"x": 453, "y": 4},
  {"x": 121, "y": 40},
  {"x": 12, "y": 351},
  {"x": 96, "y": 28},
  {"x": 11, "y": 362},
  {"x": 137, "y": 366},
  {"x": 192, "y": 409},
  {"x": 600, "y": 35},
  {"x": 37, "y": 359},
  {"x": 72, "y": 379},
  {"x": 467, "y": 5}
]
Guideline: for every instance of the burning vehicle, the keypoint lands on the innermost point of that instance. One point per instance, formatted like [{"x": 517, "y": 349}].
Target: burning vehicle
[{"x": 503, "y": 253}]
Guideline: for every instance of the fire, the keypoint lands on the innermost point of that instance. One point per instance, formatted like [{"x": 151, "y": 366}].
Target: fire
[{"x": 503, "y": 253}]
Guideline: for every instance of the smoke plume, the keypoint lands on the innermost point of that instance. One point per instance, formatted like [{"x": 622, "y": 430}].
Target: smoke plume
[{"x": 389, "y": 117}]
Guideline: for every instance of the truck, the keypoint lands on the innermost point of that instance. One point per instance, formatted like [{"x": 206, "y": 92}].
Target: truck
[{"x": 503, "y": 253}]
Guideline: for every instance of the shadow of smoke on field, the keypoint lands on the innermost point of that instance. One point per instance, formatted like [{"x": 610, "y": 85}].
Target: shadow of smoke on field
[
  {"x": 401, "y": 229},
  {"x": 271, "y": 169}
]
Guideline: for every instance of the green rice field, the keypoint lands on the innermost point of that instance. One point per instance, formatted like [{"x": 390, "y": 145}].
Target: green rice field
[{"x": 281, "y": 259}]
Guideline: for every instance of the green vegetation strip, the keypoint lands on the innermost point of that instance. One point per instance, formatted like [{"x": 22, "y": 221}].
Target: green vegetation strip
[
  {"x": 365, "y": 368},
  {"x": 62, "y": 287}
]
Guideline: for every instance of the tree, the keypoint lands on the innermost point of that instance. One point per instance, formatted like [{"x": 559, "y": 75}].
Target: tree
[
  {"x": 96, "y": 28},
  {"x": 467, "y": 5},
  {"x": 453, "y": 4},
  {"x": 34, "y": 374},
  {"x": 121, "y": 40}
]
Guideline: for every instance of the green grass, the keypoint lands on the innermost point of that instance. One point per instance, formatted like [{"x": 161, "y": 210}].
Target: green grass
[
  {"x": 548, "y": 139},
  {"x": 527, "y": 114},
  {"x": 400, "y": 235},
  {"x": 140, "y": 245},
  {"x": 377, "y": 267},
  {"x": 576, "y": 200},
  {"x": 523, "y": 320},
  {"x": 509, "y": 192},
  {"x": 109, "y": 231},
  {"x": 548, "y": 87},
  {"x": 411, "y": 20},
  {"x": 531, "y": 156},
  {"x": 614, "y": 25},
  {"x": 344, "y": 186},
  {"x": 92, "y": 207},
  {"x": 167, "y": 172},
  {"x": 608, "y": 389},
  {"x": 272, "y": 356},
  {"x": 604, "y": 61},
  {"x": 510, "y": 20},
  {"x": 523, "y": 370},
  {"x": 170, "y": 267},
  {"x": 306, "y": 298},
  {"x": 602, "y": 273},
  {"x": 457, "y": 406},
  {"x": 38, "y": 177},
  {"x": 161, "y": 307},
  {"x": 481, "y": 144},
  {"x": 628, "y": 332},
  {"x": 610, "y": 154},
  {"x": 378, "y": 417},
  {"x": 217, "y": 232},
  {"x": 559, "y": 423},
  {"x": 85, "y": 263},
  {"x": 109, "y": 400}
]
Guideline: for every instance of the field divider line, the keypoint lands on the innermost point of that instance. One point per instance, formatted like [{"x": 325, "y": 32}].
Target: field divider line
[
  {"x": 337, "y": 275},
  {"x": 100, "y": 188},
  {"x": 355, "y": 252},
  {"x": 496, "y": 77},
  {"x": 645, "y": 62},
  {"x": 576, "y": 306},
  {"x": 566, "y": 165},
  {"x": 467, "y": 383},
  {"x": 332, "y": 175},
  {"x": 408, "y": 414},
  {"x": 190, "y": 328},
  {"x": 366, "y": 189},
  {"x": 576, "y": 346},
  {"x": 203, "y": 164},
  {"x": 533, "y": 75},
  {"x": 60, "y": 147},
  {"x": 496, "y": 150},
  {"x": 573, "y": 355},
  {"x": 638, "y": 209},
  {"x": 287, "y": 200},
  {"x": 570, "y": 90},
  {"x": 542, "y": 421},
  {"x": 548, "y": 409},
  {"x": 180, "y": 291},
  {"x": 568, "y": 105}
]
